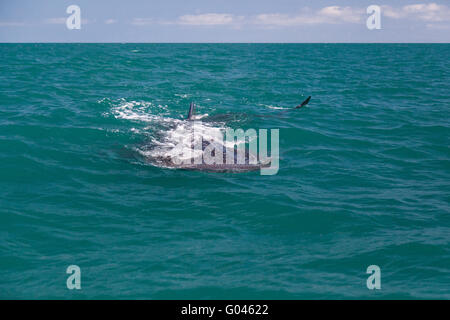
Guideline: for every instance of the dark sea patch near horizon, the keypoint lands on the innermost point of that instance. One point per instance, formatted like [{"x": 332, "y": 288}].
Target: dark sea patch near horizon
[{"x": 364, "y": 174}]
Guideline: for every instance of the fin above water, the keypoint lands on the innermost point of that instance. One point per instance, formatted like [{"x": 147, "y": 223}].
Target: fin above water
[
  {"x": 304, "y": 103},
  {"x": 191, "y": 111}
]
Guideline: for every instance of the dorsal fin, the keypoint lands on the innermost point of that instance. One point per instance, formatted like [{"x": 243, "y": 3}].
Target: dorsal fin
[
  {"x": 304, "y": 103},
  {"x": 191, "y": 111}
]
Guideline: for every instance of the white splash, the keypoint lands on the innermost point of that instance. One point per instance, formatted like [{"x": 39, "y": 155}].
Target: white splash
[{"x": 170, "y": 138}]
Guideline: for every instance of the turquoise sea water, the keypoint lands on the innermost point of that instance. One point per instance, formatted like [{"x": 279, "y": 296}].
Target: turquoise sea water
[{"x": 364, "y": 174}]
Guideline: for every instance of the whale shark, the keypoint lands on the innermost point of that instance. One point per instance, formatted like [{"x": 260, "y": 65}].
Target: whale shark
[{"x": 185, "y": 144}]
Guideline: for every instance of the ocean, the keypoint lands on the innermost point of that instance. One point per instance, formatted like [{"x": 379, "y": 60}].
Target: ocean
[{"x": 363, "y": 179}]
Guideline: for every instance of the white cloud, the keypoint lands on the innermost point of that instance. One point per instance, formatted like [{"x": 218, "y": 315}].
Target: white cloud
[
  {"x": 390, "y": 12},
  {"x": 110, "y": 21},
  {"x": 338, "y": 14},
  {"x": 327, "y": 15},
  {"x": 429, "y": 12},
  {"x": 207, "y": 19}
]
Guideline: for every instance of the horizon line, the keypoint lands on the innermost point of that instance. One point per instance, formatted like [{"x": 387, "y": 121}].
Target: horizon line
[{"x": 206, "y": 42}]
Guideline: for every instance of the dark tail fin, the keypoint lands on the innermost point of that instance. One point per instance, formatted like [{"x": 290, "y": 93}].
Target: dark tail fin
[
  {"x": 304, "y": 103},
  {"x": 191, "y": 111}
]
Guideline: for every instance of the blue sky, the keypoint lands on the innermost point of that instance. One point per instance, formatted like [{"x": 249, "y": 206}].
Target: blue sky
[{"x": 224, "y": 21}]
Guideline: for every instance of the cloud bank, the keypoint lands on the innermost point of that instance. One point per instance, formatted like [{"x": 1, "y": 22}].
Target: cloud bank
[
  {"x": 436, "y": 16},
  {"x": 430, "y": 12},
  {"x": 208, "y": 19},
  {"x": 327, "y": 15}
]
